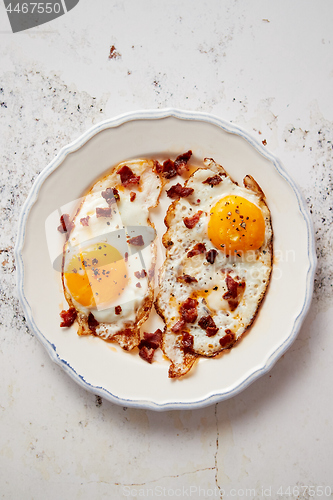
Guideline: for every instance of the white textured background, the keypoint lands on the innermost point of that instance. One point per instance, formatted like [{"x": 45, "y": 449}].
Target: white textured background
[{"x": 266, "y": 66}]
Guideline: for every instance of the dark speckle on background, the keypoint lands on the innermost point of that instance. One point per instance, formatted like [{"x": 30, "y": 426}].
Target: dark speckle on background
[
  {"x": 48, "y": 115},
  {"x": 99, "y": 401},
  {"x": 114, "y": 54}
]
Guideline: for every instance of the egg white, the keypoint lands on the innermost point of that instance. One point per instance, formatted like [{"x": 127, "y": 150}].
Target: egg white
[
  {"x": 253, "y": 267},
  {"x": 129, "y": 218}
]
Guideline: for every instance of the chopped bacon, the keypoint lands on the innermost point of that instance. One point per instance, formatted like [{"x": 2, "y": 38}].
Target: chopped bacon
[
  {"x": 152, "y": 340},
  {"x": 190, "y": 315},
  {"x": 132, "y": 196},
  {"x": 85, "y": 221},
  {"x": 190, "y": 303},
  {"x": 178, "y": 190},
  {"x": 190, "y": 222},
  {"x": 118, "y": 310},
  {"x": 126, "y": 257},
  {"x": 127, "y": 176},
  {"x": 177, "y": 327},
  {"x": 116, "y": 194},
  {"x": 227, "y": 339},
  {"x": 187, "y": 342},
  {"x": 136, "y": 241},
  {"x": 148, "y": 345},
  {"x": 213, "y": 181},
  {"x": 235, "y": 288},
  {"x": 147, "y": 353},
  {"x": 211, "y": 255},
  {"x": 111, "y": 195},
  {"x": 187, "y": 278},
  {"x": 103, "y": 212},
  {"x": 92, "y": 322},
  {"x": 138, "y": 285},
  {"x": 65, "y": 224},
  {"x": 211, "y": 331},
  {"x": 196, "y": 250},
  {"x": 140, "y": 274},
  {"x": 158, "y": 167},
  {"x": 208, "y": 324},
  {"x": 232, "y": 286},
  {"x": 188, "y": 310},
  {"x": 181, "y": 162},
  {"x": 168, "y": 169},
  {"x": 68, "y": 317}
]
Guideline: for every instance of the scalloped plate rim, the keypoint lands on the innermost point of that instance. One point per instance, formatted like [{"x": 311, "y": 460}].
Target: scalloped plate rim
[{"x": 77, "y": 144}]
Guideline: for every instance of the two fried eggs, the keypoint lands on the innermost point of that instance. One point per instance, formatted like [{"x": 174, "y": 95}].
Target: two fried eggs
[{"x": 216, "y": 269}]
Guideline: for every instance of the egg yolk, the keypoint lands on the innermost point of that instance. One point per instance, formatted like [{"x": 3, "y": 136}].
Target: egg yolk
[
  {"x": 236, "y": 225},
  {"x": 97, "y": 275}
]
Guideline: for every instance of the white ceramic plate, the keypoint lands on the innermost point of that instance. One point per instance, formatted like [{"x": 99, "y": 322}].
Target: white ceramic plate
[{"x": 104, "y": 368}]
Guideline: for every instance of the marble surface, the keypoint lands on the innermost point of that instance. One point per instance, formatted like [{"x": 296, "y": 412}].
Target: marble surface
[{"x": 266, "y": 66}]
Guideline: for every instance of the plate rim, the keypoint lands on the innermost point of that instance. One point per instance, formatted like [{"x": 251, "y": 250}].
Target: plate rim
[{"x": 155, "y": 114}]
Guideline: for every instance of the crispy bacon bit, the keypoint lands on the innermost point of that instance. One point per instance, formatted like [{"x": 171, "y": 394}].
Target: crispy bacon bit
[
  {"x": 151, "y": 273},
  {"x": 227, "y": 339},
  {"x": 136, "y": 241},
  {"x": 187, "y": 342},
  {"x": 140, "y": 274},
  {"x": 107, "y": 195},
  {"x": 181, "y": 162},
  {"x": 213, "y": 181},
  {"x": 103, "y": 212},
  {"x": 92, "y": 322},
  {"x": 138, "y": 285},
  {"x": 111, "y": 195},
  {"x": 190, "y": 222},
  {"x": 85, "y": 221},
  {"x": 177, "y": 327},
  {"x": 152, "y": 340},
  {"x": 188, "y": 310},
  {"x": 190, "y": 303},
  {"x": 148, "y": 345},
  {"x": 235, "y": 288},
  {"x": 65, "y": 224},
  {"x": 178, "y": 190},
  {"x": 189, "y": 315},
  {"x": 211, "y": 255},
  {"x": 68, "y": 317},
  {"x": 186, "y": 278},
  {"x": 168, "y": 169},
  {"x": 196, "y": 250},
  {"x": 232, "y": 286},
  {"x": 158, "y": 167},
  {"x": 127, "y": 176},
  {"x": 132, "y": 196},
  {"x": 147, "y": 353},
  {"x": 208, "y": 324},
  {"x": 126, "y": 257},
  {"x": 118, "y": 310}
]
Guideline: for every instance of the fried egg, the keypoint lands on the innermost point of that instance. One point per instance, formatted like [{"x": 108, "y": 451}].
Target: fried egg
[
  {"x": 110, "y": 253},
  {"x": 217, "y": 267}
]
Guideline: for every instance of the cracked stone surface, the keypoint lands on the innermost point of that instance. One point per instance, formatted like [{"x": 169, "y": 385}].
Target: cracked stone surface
[{"x": 265, "y": 67}]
